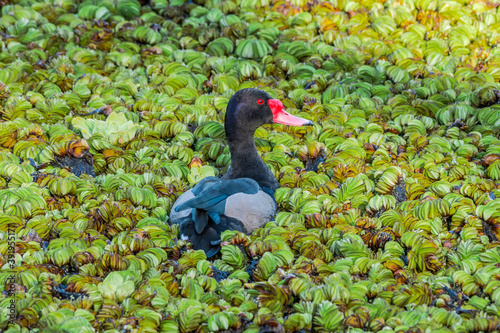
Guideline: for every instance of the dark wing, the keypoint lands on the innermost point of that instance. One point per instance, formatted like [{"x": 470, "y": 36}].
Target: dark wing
[
  {"x": 207, "y": 220},
  {"x": 211, "y": 191}
]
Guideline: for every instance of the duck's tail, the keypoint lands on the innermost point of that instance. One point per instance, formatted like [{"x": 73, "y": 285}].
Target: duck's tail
[{"x": 208, "y": 239}]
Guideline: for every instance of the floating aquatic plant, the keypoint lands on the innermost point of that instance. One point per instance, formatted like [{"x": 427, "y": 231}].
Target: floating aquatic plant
[
  {"x": 116, "y": 129},
  {"x": 388, "y": 211}
]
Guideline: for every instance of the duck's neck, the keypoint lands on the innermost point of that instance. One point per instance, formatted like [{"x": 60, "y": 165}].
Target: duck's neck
[{"x": 246, "y": 162}]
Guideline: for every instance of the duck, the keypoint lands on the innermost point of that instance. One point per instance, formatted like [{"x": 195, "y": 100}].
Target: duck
[{"x": 243, "y": 198}]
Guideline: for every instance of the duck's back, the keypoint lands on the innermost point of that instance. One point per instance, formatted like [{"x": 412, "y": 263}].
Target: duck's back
[{"x": 215, "y": 205}]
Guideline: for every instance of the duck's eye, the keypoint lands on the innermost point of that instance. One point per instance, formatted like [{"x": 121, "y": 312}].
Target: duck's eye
[{"x": 260, "y": 101}]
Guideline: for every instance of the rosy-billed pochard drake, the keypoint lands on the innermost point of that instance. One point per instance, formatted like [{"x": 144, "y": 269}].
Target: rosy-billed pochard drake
[{"x": 243, "y": 199}]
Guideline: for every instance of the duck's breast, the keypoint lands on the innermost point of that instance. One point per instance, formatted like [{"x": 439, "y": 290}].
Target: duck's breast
[{"x": 253, "y": 210}]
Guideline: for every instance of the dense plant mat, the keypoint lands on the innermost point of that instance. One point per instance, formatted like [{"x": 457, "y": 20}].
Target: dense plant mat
[{"x": 389, "y": 211}]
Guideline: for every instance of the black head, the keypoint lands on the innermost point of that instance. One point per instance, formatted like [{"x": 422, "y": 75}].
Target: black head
[
  {"x": 251, "y": 108},
  {"x": 247, "y": 110}
]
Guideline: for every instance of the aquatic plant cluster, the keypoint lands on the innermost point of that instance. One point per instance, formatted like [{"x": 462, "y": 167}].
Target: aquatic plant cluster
[{"x": 389, "y": 210}]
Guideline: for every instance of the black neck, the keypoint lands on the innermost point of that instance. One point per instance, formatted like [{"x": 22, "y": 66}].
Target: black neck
[{"x": 246, "y": 162}]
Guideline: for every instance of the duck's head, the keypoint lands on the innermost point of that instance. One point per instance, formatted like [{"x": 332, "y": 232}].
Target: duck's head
[{"x": 251, "y": 108}]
